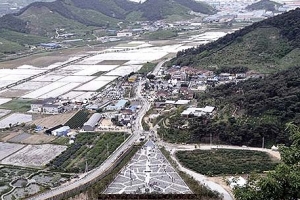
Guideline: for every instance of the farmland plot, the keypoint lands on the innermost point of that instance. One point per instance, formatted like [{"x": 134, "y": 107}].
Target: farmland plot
[
  {"x": 125, "y": 70},
  {"x": 15, "y": 119},
  {"x": 31, "y": 85},
  {"x": 34, "y": 155},
  {"x": 48, "y": 78},
  {"x": 59, "y": 91},
  {"x": 39, "y": 92},
  {"x": 93, "y": 85},
  {"x": 4, "y": 100},
  {"x": 7, "y": 149}
]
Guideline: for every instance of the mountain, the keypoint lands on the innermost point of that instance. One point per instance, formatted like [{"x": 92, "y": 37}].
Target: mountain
[
  {"x": 44, "y": 17},
  {"x": 266, "y": 46},
  {"x": 11, "y": 6},
  {"x": 264, "y": 5}
]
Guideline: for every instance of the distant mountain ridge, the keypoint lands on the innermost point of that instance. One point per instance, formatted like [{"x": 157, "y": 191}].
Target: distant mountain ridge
[
  {"x": 264, "y": 5},
  {"x": 41, "y": 17},
  {"x": 267, "y": 46}
]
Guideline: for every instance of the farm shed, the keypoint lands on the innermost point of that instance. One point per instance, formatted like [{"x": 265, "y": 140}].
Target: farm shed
[
  {"x": 92, "y": 122},
  {"x": 49, "y": 131},
  {"x": 62, "y": 131}
]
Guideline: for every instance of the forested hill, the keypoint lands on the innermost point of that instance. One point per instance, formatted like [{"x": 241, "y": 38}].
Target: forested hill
[
  {"x": 264, "y": 5},
  {"x": 41, "y": 17},
  {"x": 253, "y": 109},
  {"x": 267, "y": 46}
]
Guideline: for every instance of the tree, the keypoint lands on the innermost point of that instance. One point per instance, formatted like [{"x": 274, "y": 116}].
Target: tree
[
  {"x": 281, "y": 184},
  {"x": 151, "y": 76}
]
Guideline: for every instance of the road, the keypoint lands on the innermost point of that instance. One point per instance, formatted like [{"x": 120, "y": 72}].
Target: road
[{"x": 89, "y": 176}]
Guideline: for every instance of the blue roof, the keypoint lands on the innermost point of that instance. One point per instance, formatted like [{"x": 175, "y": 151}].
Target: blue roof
[{"x": 121, "y": 103}]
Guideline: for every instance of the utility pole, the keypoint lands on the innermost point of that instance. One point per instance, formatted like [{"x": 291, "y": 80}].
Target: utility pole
[
  {"x": 210, "y": 138},
  {"x": 107, "y": 149},
  {"x": 86, "y": 167},
  {"x": 263, "y": 142}
]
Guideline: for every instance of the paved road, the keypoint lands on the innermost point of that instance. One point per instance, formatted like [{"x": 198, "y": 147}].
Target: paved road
[{"x": 87, "y": 177}]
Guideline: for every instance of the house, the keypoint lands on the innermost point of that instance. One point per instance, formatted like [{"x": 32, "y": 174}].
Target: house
[
  {"x": 52, "y": 109},
  {"x": 45, "y": 106},
  {"x": 92, "y": 122}
]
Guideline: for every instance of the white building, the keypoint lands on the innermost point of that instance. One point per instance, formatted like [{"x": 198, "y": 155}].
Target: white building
[
  {"x": 124, "y": 34},
  {"x": 92, "y": 122}
]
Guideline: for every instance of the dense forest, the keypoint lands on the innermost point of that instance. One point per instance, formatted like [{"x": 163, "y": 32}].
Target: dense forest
[
  {"x": 264, "y": 5},
  {"x": 249, "y": 45},
  {"x": 247, "y": 113}
]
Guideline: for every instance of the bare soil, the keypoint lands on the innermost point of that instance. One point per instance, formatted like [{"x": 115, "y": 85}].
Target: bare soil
[
  {"x": 14, "y": 93},
  {"x": 39, "y": 138},
  {"x": 45, "y": 59},
  {"x": 49, "y": 121}
]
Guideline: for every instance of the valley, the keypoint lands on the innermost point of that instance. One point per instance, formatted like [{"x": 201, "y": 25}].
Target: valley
[{"x": 93, "y": 104}]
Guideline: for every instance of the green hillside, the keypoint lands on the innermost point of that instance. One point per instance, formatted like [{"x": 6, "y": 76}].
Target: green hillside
[
  {"x": 266, "y": 46},
  {"x": 264, "y": 5},
  {"x": 42, "y": 17}
]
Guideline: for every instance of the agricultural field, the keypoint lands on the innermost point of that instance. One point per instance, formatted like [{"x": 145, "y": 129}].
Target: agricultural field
[
  {"x": 225, "y": 161},
  {"x": 15, "y": 119},
  {"x": 34, "y": 155},
  {"x": 53, "y": 120},
  {"x": 147, "y": 67},
  {"x": 90, "y": 148},
  {"x": 7, "y": 149},
  {"x": 17, "y": 105},
  {"x": 78, "y": 119}
]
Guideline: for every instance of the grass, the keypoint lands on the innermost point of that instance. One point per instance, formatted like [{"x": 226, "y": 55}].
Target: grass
[
  {"x": 17, "y": 105},
  {"x": 147, "y": 67},
  {"x": 161, "y": 35},
  {"x": 8, "y": 47},
  {"x": 226, "y": 161},
  {"x": 98, "y": 74},
  {"x": 112, "y": 62},
  {"x": 61, "y": 141},
  {"x": 22, "y": 38}
]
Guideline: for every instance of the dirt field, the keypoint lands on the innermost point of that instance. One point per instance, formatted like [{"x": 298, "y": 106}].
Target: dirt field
[
  {"x": 34, "y": 155},
  {"x": 53, "y": 120},
  {"x": 39, "y": 138},
  {"x": 112, "y": 62},
  {"x": 106, "y": 122},
  {"x": 14, "y": 93},
  {"x": 47, "y": 58},
  {"x": 9, "y": 136}
]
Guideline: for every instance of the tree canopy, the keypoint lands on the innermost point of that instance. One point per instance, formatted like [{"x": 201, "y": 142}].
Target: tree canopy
[{"x": 281, "y": 184}]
